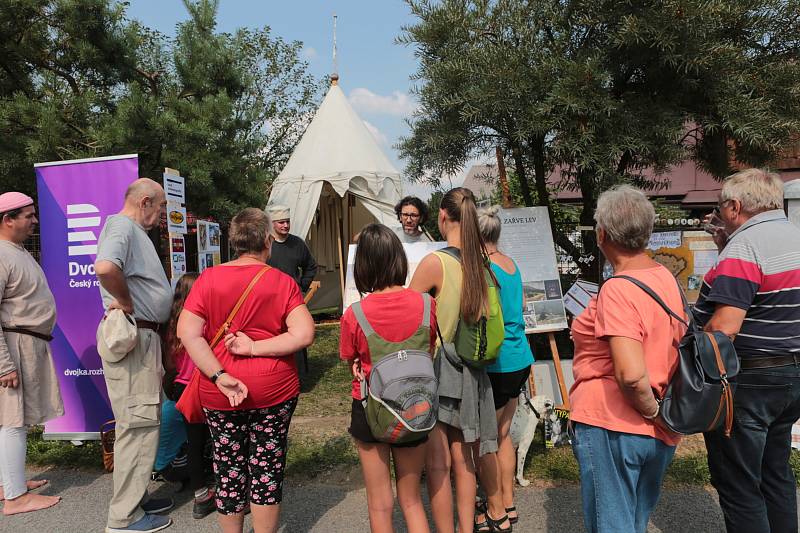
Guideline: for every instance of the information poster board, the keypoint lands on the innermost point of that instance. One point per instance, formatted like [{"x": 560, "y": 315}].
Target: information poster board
[
  {"x": 415, "y": 252},
  {"x": 526, "y": 237},
  {"x": 208, "y": 244},
  {"x": 687, "y": 254}
]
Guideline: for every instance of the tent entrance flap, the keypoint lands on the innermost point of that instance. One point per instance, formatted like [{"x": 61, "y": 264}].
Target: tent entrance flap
[{"x": 336, "y": 223}]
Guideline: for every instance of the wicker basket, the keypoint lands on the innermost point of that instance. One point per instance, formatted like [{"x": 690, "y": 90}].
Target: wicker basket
[{"x": 107, "y": 438}]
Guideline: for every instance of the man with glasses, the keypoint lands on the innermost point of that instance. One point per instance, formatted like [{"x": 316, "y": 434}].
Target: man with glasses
[
  {"x": 412, "y": 214},
  {"x": 753, "y": 295}
]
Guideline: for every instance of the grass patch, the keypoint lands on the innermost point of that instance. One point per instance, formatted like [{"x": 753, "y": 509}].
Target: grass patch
[
  {"x": 325, "y": 390},
  {"x": 692, "y": 469},
  {"x": 62, "y": 453},
  {"x": 309, "y": 458}
]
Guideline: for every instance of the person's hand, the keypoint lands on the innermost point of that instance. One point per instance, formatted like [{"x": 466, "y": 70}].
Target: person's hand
[
  {"x": 232, "y": 388},
  {"x": 10, "y": 380},
  {"x": 127, "y": 308},
  {"x": 356, "y": 369},
  {"x": 239, "y": 344}
]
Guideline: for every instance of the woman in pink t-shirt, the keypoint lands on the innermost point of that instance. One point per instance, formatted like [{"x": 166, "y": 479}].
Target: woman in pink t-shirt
[{"x": 625, "y": 355}]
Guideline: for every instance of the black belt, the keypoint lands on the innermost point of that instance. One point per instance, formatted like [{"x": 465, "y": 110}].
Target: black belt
[
  {"x": 24, "y": 331},
  {"x": 146, "y": 324},
  {"x": 772, "y": 361}
]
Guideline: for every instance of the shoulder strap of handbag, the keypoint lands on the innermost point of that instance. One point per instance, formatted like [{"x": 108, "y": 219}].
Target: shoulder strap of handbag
[
  {"x": 225, "y": 325},
  {"x": 650, "y": 292}
]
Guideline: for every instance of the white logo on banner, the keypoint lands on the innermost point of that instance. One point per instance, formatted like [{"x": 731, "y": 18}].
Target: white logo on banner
[{"x": 77, "y": 219}]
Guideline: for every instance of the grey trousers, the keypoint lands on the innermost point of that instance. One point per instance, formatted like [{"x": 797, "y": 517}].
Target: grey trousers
[{"x": 134, "y": 388}]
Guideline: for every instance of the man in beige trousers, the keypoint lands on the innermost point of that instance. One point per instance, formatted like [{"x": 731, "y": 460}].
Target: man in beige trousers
[
  {"x": 132, "y": 279},
  {"x": 29, "y": 392}
]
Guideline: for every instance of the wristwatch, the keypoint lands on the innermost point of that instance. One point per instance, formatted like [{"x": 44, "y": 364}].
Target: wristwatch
[{"x": 216, "y": 375}]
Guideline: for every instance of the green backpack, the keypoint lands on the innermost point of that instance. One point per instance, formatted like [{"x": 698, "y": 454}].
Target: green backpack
[{"x": 478, "y": 345}]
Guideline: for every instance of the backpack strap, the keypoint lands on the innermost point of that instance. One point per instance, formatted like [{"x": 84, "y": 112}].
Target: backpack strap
[
  {"x": 367, "y": 328},
  {"x": 426, "y": 310},
  {"x": 361, "y": 318},
  {"x": 650, "y": 292}
]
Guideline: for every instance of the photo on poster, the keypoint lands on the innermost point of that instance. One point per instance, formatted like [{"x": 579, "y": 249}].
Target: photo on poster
[
  {"x": 552, "y": 289},
  {"x": 209, "y": 260},
  {"x": 201, "y": 265},
  {"x": 550, "y": 313},
  {"x": 533, "y": 291},
  {"x": 694, "y": 282},
  {"x": 530, "y": 320},
  {"x": 213, "y": 236},
  {"x": 202, "y": 236}
]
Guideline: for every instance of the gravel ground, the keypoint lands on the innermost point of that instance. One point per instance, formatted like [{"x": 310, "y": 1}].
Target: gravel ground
[{"x": 341, "y": 507}]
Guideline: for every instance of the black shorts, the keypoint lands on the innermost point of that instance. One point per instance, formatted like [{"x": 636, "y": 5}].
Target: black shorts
[
  {"x": 507, "y": 385},
  {"x": 359, "y": 428}
]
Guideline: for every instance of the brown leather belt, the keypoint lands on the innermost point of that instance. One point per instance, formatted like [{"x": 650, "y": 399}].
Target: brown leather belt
[
  {"x": 773, "y": 361},
  {"x": 146, "y": 324},
  {"x": 24, "y": 331}
]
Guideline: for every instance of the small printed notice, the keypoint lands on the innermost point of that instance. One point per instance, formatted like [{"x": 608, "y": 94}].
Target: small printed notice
[
  {"x": 415, "y": 252},
  {"x": 174, "y": 187},
  {"x": 577, "y": 298},
  {"x": 177, "y": 254},
  {"x": 664, "y": 239},
  {"x": 176, "y": 219},
  {"x": 526, "y": 237}
]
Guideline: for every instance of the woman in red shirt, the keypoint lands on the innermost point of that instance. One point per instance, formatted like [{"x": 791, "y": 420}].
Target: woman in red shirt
[
  {"x": 396, "y": 315},
  {"x": 249, "y": 385}
]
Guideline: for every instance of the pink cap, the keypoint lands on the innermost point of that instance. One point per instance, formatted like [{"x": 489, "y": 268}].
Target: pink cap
[{"x": 14, "y": 200}]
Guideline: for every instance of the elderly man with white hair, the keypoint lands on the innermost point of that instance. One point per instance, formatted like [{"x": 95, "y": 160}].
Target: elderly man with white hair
[
  {"x": 133, "y": 282},
  {"x": 753, "y": 295}
]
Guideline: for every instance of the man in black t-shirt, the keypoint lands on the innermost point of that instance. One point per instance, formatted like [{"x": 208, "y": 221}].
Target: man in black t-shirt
[
  {"x": 291, "y": 255},
  {"x": 289, "y": 252}
]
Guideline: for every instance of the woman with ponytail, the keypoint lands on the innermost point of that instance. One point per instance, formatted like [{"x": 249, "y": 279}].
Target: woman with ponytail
[{"x": 467, "y": 425}]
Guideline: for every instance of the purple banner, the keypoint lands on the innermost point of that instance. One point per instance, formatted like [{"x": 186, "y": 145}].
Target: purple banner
[{"x": 75, "y": 198}]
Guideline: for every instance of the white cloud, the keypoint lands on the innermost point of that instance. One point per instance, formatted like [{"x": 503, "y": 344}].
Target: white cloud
[
  {"x": 398, "y": 103},
  {"x": 377, "y": 134},
  {"x": 310, "y": 52}
]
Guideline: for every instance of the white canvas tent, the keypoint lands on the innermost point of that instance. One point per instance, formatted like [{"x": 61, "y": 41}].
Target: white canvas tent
[{"x": 336, "y": 181}]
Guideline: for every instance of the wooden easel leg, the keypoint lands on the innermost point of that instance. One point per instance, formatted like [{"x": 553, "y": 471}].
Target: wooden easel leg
[{"x": 562, "y": 385}]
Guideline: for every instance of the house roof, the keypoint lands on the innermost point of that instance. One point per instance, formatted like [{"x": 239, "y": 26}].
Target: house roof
[{"x": 687, "y": 183}]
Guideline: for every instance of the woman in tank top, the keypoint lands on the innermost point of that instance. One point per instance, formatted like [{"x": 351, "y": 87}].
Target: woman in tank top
[
  {"x": 463, "y": 431},
  {"x": 511, "y": 370}
]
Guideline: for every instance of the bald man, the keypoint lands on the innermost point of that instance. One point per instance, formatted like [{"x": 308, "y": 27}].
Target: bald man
[{"x": 132, "y": 279}]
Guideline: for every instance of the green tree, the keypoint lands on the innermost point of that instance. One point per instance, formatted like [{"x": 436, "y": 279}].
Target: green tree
[
  {"x": 60, "y": 64},
  {"x": 225, "y": 109},
  {"x": 599, "y": 93}
]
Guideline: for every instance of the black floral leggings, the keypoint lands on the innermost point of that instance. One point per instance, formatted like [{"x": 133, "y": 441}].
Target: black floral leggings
[{"x": 249, "y": 455}]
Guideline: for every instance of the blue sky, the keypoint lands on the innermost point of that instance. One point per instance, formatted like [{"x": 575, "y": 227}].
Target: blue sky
[{"x": 374, "y": 71}]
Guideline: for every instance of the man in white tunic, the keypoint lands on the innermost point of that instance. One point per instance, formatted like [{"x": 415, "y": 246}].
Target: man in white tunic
[{"x": 29, "y": 392}]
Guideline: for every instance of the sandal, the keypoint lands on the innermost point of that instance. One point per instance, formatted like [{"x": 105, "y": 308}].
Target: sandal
[
  {"x": 512, "y": 519},
  {"x": 490, "y": 525}
]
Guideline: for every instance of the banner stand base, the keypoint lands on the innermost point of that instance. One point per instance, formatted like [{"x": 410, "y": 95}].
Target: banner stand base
[{"x": 93, "y": 435}]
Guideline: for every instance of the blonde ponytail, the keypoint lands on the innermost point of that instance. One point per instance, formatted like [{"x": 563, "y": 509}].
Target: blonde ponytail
[{"x": 459, "y": 203}]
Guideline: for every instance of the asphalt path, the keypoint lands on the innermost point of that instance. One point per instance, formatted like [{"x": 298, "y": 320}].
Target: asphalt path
[{"x": 324, "y": 507}]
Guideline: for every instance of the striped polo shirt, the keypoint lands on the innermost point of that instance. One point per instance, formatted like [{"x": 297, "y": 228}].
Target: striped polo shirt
[{"x": 759, "y": 271}]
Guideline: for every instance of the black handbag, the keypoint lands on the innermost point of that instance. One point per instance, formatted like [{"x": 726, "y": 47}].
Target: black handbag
[{"x": 699, "y": 396}]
